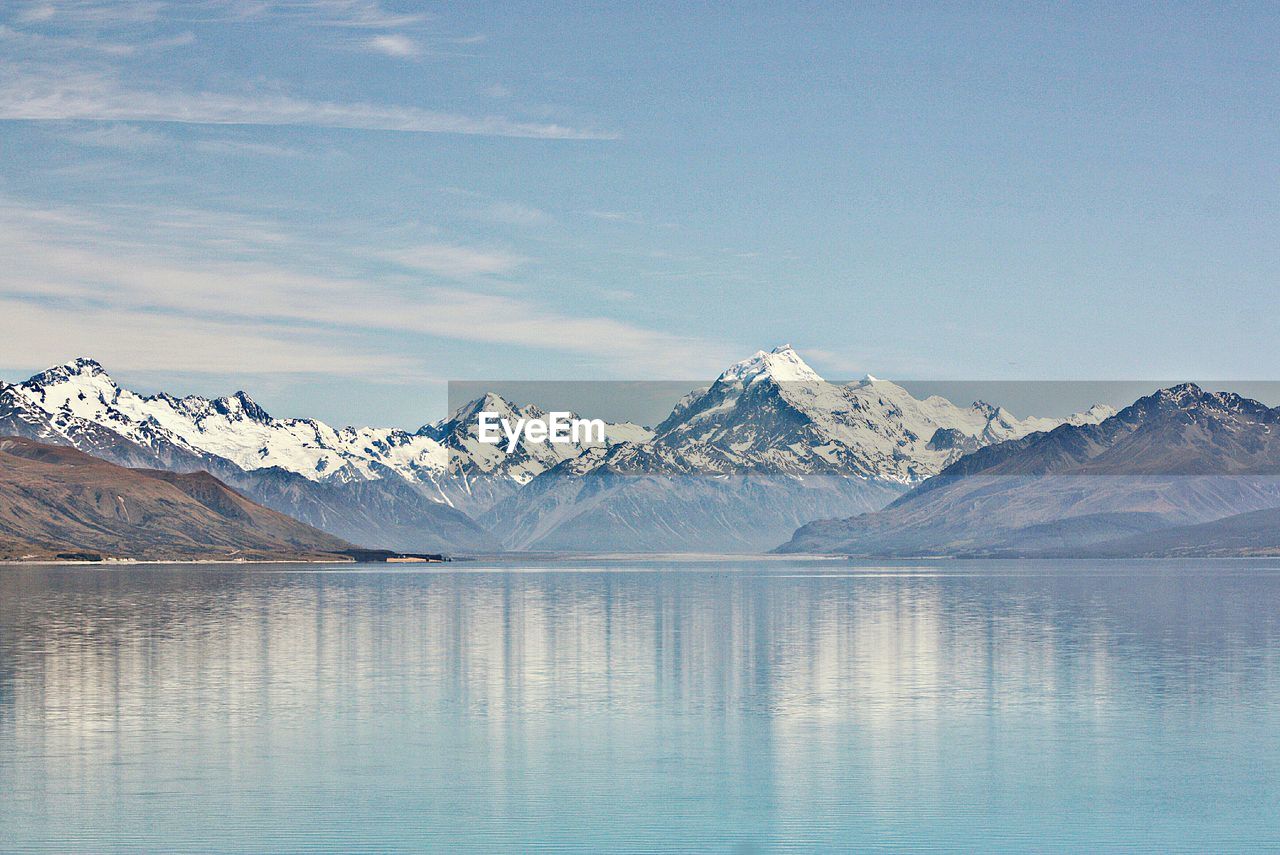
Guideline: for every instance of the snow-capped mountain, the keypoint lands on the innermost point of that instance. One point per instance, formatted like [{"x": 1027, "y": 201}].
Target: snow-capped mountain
[
  {"x": 477, "y": 474},
  {"x": 1127, "y": 486},
  {"x": 445, "y": 458},
  {"x": 369, "y": 486},
  {"x": 234, "y": 428},
  {"x": 330, "y": 477},
  {"x": 786, "y": 447},
  {"x": 768, "y": 442},
  {"x": 773, "y": 412}
]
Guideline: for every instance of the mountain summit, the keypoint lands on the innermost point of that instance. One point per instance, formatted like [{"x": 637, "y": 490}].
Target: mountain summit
[
  {"x": 773, "y": 412},
  {"x": 782, "y": 365},
  {"x": 768, "y": 443}
]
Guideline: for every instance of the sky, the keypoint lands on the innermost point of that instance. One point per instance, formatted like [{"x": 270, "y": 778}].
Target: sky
[{"x": 340, "y": 205}]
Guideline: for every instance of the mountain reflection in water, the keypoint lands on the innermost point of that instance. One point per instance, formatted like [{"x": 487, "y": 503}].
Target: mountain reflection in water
[{"x": 771, "y": 704}]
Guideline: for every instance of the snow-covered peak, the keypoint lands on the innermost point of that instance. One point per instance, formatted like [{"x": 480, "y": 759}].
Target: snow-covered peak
[
  {"x": 79, "y": 367},
  {"x": 873, "y": 427},
  {"x": 232, "y": 407},
  {"x": 77, "y": 387},
  {"x": 1094, "y": 415},
  {"x": 240, "y": 404},
  {"x": 470, "y": 458},
  {"x": 233, "y": 427},
  {"x": 489, "y": 402},
  {"x": 782, "y": 365}
]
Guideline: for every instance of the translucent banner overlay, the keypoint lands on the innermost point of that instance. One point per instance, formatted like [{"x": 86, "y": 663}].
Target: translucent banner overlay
[
  {"x": 763, "y": 459},
  {"x": 903, "y": 432}
]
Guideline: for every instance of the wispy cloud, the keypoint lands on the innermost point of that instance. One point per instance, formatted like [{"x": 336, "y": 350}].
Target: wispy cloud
[
  {"x": 616, "y": 216},
  {"x": 128, "y": 137},
  {"x": 36, "y": 12},
  {"x": 43, "y": 43},
  {"x": 122, "y": 136},
  {"x": 174, "y": 41},
  {"x": 91, "y": 12},
  {"x": 504, "y": 211},
  {"x": 365, "y": 14},
  {"x": 67, "y": 265},
  {"x": 129, "y": 338},
  {"x": 324, "y": 13},
  {"x": 455, "y": 262},
  {"x": 512, "y": 214},
  {"x": 88, "y": 96},
  {"x": 245, "y": 147},
  {"x": 38, "y": 43},
  {"x": 394, "y": 45}
]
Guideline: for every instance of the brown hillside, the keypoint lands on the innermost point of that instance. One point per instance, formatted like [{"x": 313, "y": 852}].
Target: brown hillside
[{"x": 57, "y": 499}]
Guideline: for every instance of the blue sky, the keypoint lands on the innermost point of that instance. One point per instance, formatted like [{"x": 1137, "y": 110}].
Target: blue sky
[{"x": 339, "y": 205}]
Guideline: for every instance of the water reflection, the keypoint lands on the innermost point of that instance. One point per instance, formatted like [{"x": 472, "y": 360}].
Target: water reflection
[{"x": 775, "y": 704}]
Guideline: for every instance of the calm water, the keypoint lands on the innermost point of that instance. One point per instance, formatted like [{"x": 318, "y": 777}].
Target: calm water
[{"x": 729, "y": 706}]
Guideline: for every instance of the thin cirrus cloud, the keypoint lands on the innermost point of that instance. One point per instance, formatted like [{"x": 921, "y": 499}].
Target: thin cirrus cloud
[
  {"x": 93, "y": 97},
  {"x": 90, "y": 12},
  {"x": 455, "y": 262},
  {"x": 394, "y": 45},
  {"x": 365, "y": 14},
  {"x": 69, "y": 264},
  {"x": 46, "y": 45},
  {"x": 512, "y": 214},
  {"x": 128, "y": 137},
  {"x": 327, "y": 13},
  {"x": 129, "y": 338}
]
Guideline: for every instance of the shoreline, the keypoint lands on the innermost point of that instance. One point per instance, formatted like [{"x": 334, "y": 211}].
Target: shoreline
[
  {"x": 470, "y": 562},
  {"x": 135, "y": 562}
]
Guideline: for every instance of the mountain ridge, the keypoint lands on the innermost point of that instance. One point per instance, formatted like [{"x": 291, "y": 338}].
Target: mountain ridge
[
  {"x": 736, "y": 463},
  {"x": 1180, "y": 456},
  {"x": 825, "y": 448},
  {"x": 57, "y": 499}
]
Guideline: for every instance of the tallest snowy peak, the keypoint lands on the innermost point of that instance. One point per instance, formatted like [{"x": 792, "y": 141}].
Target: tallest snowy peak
[
  {"x": 782, "y": 365},
  {"x": 241, "y": 405},
  {"x": 84, "y": 365},
  {"x": 81, "y": 367},
  {"x": 78, "y": 374}
]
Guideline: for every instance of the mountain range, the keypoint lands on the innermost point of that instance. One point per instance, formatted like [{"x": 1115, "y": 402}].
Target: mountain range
[
  {"x": 1182, "y": 471},
  {"x": 296, "y": 467},
  {"x": 737, "y": 466}
]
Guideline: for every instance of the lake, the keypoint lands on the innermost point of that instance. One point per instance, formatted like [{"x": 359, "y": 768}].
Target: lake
[{"x": 733, "y": 706}]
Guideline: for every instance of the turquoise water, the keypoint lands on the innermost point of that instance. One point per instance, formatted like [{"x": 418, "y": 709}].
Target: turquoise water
[{"x": 728, "y": 706}]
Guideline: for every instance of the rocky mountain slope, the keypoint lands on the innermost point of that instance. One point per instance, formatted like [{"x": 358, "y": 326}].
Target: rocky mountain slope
[
  {"x": 1179, "y": 457},
  {"x": 1251, "y": 534},
  {"x": 56, "y": 499}
]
